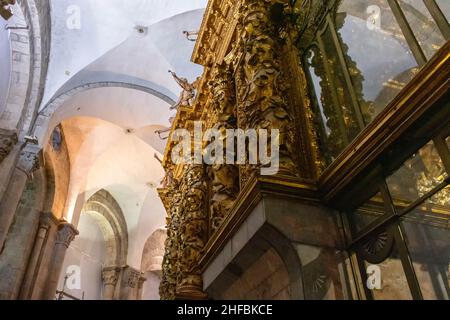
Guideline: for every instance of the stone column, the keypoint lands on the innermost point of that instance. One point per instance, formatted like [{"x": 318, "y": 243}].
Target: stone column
[
  {"x": 130, "y": 283},
  {"x": 141, "y": 281},
  {"x": 8, "y": 140},
  {"x": 66, "y": 234},
  {"x": 29, "y": 161},
  {"x": 193, "y": 233},
  {"x": 45, "y": 223},
  {"x": 110, "y": 275},
  {"x": 262, "y": 87},
  {"x": 224, "y": 177}
]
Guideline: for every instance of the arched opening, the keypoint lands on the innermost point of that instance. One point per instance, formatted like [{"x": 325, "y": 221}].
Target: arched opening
[
  {"x": 102, "y": 243},
  {"x": 152, "y": 258}
]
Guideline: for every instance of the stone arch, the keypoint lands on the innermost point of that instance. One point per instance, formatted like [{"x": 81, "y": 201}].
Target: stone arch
[
  {"x": 107, "y": 213},
  {"x": 41, "y": 130},
  {"x": 267, "y": 267},
  {"x": 153, "y": 253},
  {"x": 283, "y": 246},
  {"x": 30, "y": 52}
]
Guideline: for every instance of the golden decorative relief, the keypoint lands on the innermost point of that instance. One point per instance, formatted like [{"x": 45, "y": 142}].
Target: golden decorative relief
[
  {"x": 246, "y": 84},
  {"x": 224, "y": 177},
  {"x": 193, "y": 231},
  {"x": 262, "y": 86}
]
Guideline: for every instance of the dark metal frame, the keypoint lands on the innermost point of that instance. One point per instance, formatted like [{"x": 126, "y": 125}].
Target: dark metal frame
[
  {"x": 411, "y": 40},
  {"x": 390, "y": 222}
]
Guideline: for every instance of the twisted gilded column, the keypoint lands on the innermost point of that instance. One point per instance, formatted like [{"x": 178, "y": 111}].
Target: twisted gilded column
[
  {"x": 262, "y": 87},
  {"x": 193, "y": 233},
  {"x": 170, "y": 265},
  {"x": 224, "y": 177}
]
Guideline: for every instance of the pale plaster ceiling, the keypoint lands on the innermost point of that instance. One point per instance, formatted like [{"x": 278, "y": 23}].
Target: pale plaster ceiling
[{"x": 110, "y": 131}]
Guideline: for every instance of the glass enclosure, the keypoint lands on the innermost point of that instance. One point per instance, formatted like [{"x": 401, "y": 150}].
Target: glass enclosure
[
  {"x": 363, "y": 55},
  {"x": 405, "y": 228}
]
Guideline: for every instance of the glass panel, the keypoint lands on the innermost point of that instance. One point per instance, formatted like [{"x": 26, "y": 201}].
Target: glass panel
[
  {"x": 394, "y": 285},
  {"x": 445, "y": 7},
  {"x": 348, "y": 125},
  {"x": 427, "y": 235},
  {"x": 418, "y": 176},
  {"x": 424, "y": 27},
  {"x": 368, "y": 213},
  {"x": 324, "y": 114},
  {"x": 377, "y": 54}
]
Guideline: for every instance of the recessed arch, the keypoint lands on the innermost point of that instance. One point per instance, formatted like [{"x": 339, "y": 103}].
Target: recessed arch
[
  {"x": 42, "y": 128},
  {"x": 153, "y": 253},
  {"x": 107, "y": 213}
]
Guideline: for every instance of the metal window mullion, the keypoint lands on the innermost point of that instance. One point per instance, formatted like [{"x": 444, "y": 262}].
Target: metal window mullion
[
  {"x": 348, "y": 80},
  {"x": 408, "y": 33},
  {"x": 363, "y": 274},
  {"x": 407, "y": 263},
  {"x": 314, "y": 97},
  {"x": 331, "y": 89},
  {"x": 444, "y": 153},
  {"x": 438, "y": 17}
]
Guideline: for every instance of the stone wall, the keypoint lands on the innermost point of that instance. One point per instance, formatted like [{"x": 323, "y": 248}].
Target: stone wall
[
  {"x": 58, "y": 171},
  {"x": 266, "y": 279}
]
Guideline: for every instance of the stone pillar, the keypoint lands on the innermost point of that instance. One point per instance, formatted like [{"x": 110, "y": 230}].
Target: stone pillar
[
  {"x": 130, "y": 283},
  {"x": 66, "y": 234},
  {"x": 262, "y": 87},
  {"x": 110, "y": 275},
  {"x": 224, "y": 177},
  {"x": 193, "y": 233},
  {"x": 29, "y": 161},
  {"x": 141, "y": 281},
  {"x": 8, "y": 140},
  {"x": 47, "y": 220}
]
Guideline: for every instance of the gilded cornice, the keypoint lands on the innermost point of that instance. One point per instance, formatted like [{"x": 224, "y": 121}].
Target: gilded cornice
[{"x": 216, "y": 32}]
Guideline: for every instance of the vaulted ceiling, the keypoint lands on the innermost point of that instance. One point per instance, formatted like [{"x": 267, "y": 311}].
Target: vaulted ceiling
[{"x": 113, "y": 74}]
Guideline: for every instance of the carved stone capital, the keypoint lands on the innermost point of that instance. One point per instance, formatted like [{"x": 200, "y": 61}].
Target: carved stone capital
[
  {"x": 131, "y": 277},
  {"x": 30, "y": 158},
  {"x": 8, "y": 139},
  {"x": 66, "y": 234},
  {"x": 110, "y": 275}
]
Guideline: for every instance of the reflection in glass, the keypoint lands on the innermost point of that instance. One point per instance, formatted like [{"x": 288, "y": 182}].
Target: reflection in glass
[
  {"x": 444, "y": 5},
  {"x": 324, "y": 106},
  {"x": 427, "y": 235},
  {"x": 384, "y": 64},
  {"x": 347, "y": 123},
  {"x": 394, "y": 285},
  {"x": 424, "y": 27},
  {"x": 418, "y": 176},
  {"x": 368, "y": 213}
]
